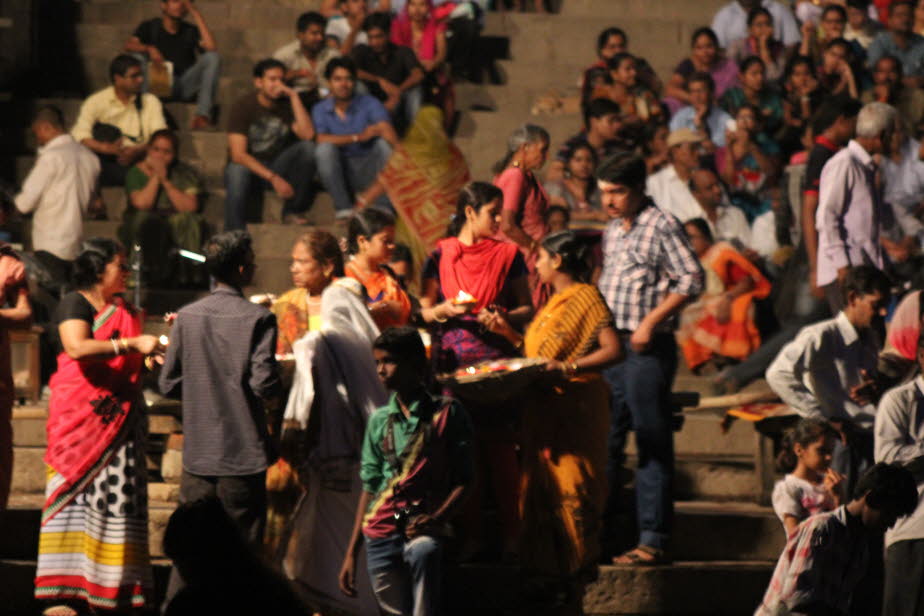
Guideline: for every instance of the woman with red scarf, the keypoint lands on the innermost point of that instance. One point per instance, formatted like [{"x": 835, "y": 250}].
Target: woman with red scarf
[
  {"x": 493, "y": 273},
  {"x": 93, "y": 547}
]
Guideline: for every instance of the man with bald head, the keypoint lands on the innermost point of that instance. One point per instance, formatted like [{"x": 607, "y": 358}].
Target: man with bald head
[{"x": 727, "y": 222}]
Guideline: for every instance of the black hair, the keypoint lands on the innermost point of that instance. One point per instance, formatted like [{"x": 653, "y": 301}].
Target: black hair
[
  {"x": 379, "y": 20},
  {"x": 49, "y": 114},
  {"x": 702, "y": 226},
  {"x": 225, "y": 253},
  {"x": 367, "y": 223},
  {"x": 402, "y": 252},
  {"x": 260, "y": 68},
  {"x": 898, "y": 3},
  {"x": 120, "y": 65},
  {"x": 475, "y": 195},
  {"x": 795, "y": 61},
  {"x": 614, "y": 62},
  {"x": 834, "y": 8},
  {"x": 340, "y": 62},
  {"x": 804, "y": 433},
  {"x": 604, "y": 37},
  {"x": 756, "y": 12},
  {"x": 749, "y": 62},
  {"x": 323, "y": 248},
  {"x": 862, "y": 5},
  {"x": 691, "y": 183},
  {"x": 888, "y": 485},
  {"x": 405, "y": 345},
  {"x": 599, "y": 107},
  {"x": 833, "y": 108},
  {"x": 702, "y": 77},
  {"x": 864, "y": 280},
  {"x": 758, "y": 116},
  {"x": 625, "y": 167},
  {"x": 704, "y": 31},
  {"x": 896, "y": 61},
  {"x": 592, "y": 77},
  {"x": 557, "y": 209},
  {"x": 95, "y": 254},
  {"x": 306, "y": 19},
  {"x": 169, "y": 135},
  {"x": 573, "y": 252},
  {"x": 842, "y": 42}
]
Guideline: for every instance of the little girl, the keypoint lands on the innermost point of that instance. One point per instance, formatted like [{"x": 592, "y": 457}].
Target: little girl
[{"x": 810, "y": 486}]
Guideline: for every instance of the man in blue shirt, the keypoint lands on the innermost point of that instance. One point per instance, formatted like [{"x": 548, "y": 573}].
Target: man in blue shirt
[
  {"x": 701, "y": 115},
  {"x": 901, "y": 42},
  {"x": 355, "y": 138}
]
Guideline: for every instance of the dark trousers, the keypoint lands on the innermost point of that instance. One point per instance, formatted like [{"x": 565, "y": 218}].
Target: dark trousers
[
  {"x": 243, "y": 498},
  {"x": 904, "y": 573},
  {"x": 641, "y": 388}
]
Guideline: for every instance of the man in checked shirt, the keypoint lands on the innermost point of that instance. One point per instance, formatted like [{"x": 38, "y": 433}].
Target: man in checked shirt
[{"x": 649, "y": 273}]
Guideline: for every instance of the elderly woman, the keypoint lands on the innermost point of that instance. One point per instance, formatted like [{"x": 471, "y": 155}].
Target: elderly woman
[
  {"x": 97, "y": 491},
  {"x": 163, "y": 211}
]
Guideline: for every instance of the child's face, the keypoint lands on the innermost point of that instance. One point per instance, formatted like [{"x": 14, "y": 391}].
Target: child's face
[
  {"x": 816, "y": 456},
  {"x": 856, "y": 18},
  {"x": 557, "y": 222}
]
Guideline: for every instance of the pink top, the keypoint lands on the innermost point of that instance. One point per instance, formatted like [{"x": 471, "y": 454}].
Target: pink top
[
  {"x": 525, "y": 196},
  {"x": 402, "y": 33}
]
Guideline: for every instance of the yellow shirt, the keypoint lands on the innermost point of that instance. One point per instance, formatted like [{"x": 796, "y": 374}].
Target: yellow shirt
[{"x": 104, "y": 106}]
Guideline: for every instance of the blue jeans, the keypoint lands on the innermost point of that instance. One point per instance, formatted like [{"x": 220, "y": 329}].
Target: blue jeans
[
  {"x": 344, "y": 176},
  {"x": 411, "y": 101},
  {"x": 641, "y": 391},
  {"x": 406, "y": 574},
  {"x": 295, "y": 164},
  {"x": 199, "y": 82}
]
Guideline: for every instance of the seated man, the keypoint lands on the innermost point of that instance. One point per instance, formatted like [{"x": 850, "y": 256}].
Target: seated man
[
  {"x": 346, "y": 29},
  {"x": 826, "y": 558},
  {"x": 827, "y": 371},
  {"x": 355, "y": 138},
  {"x": 861, "y": 28},
  {"x": 390, "y": 72},
  {"x": 171, "y": 39},
  {"x": 726, "y": 222},
  {"x": 163, "y": 213},
  {"x": 57, "y": 191},
  {"x": 669, "y": 188},
  {"x": 901, "y": 42},
  {"x": 306, "y": 58},
  {"x": 269, "y": 139},
  {"x": 601, "y": 132},
  {"x": 702, "y": 114},
  {"x": 889, "y": 88},
  {"x": 118, "y": 121},
  {"x": 403, "y": 515}
]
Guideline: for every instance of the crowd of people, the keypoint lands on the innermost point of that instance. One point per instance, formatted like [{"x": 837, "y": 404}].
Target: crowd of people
[{"x": 758, "y": 212}]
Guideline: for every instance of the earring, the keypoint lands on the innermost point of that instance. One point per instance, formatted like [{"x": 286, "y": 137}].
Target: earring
[{"x": 516, "y": 163}]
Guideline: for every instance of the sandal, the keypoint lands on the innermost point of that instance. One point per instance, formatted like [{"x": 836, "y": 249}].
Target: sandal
[{"x": 643, "y": 556}]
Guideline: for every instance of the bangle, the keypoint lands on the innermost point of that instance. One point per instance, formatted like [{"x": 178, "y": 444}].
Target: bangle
[
  {"x": 123, "y": 342},
  {"x": 115, "y": 347}
]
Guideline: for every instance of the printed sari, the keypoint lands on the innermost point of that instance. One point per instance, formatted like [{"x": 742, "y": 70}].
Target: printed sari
[
  {"x": 292, "y": 318},
  {"x": 383, "y": 286},
  {"x": 564, "y": 428},
  {"x": 701, "y": 334},
  {"x": 94, "y": 532}
]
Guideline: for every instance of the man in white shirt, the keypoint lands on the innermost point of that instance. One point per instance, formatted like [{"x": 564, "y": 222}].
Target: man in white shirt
[
  {"x": 348, "y": 29},
  {"x": 730, "y": 23},
  {"x": 726, "y": 222},
  {"x": 827, "y": 371},
  {"x": 669, "y": 188},
  {"x": 59, "y": 187},
  {"x": 899, "y": 439},
  {"x": 306, "y": 58}
]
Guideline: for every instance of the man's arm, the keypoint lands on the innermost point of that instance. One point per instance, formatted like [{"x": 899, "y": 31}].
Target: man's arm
[
  {"x": 347, "y": 576},
  {"x": 264, "y": 370},
  {"x": 831, "y": 198},
  {"x": 415, "y": 77},
  {"x": 785, "y": 377},
  {"x": 36, "y": 182},
  {"x": 302, "y": 125},
  {"x": 893, "y": 439},
  {"x": 206, "y": 40}
]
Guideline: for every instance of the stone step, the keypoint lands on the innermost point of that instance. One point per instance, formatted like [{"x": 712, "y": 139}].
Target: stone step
[
  {"x": 702, "y": 435},
  {"x": 730, "y": 478}
]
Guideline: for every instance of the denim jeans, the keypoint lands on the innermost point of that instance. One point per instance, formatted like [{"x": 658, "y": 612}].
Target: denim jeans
[
  {"x": 295, "y": 164},
  {"x": 641, "y": 390},
  {"x": 344, "y": 176},
  {"x": 406, "y": 574},
  {"x": 200, "y": 81},
  {"x": 411, "y": 101}
]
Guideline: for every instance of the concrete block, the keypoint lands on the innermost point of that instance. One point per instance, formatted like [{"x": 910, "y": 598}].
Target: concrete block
[
  {"x": 175, "y": 442},
  {"x": 705, "y": 531},
  {"x": 163, "y": 424},
  {"x": 29, "y": 432},
  {"x": 163, "y": 492},
  {"x": 702, "y": 435},
  {"x": 171, "y": 466},
  {"x": 158, "y": 517},
  {"x": 705, "y": 479},
  {"x": 28, "y": 469}
]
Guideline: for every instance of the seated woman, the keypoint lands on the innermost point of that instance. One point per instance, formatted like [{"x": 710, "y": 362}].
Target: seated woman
[
  {"x": 566, "y": 417},
  {"x": 418, "y": 28},
  {"x": 636, "y": 100},
  {"x": 750, "y": 160},
  {"x": 163, "y": 212},
  {"x": 371, "y": 238},
  {"x": 316, "y": 261},
  {"x": 801, "y": 98},
  {"x": 719, "y": 325},
  {"x": 755, "y": 90},
  {"x": 760, "y": 42},
  {"x": 705, "y": 57},
  {"x": 835, "y": 73},
  {"x": 577, "y": 190},
  {"x": 612, "y": 41}
]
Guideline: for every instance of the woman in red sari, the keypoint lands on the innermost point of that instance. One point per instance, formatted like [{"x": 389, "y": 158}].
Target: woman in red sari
[
  {"x": 93, "y": 547},
  {"x": 493, "y": 272}
]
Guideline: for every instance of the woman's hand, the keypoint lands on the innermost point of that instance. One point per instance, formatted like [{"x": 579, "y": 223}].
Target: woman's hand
[
  {"x": 385, "y": 309},
  {"x": 145, "y": 344},
  {"x": 493, "y": 321},
  {"x": 450, "y": 309}
]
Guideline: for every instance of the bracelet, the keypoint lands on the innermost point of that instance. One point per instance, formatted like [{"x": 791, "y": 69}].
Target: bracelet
[
  {"x": 574, "y": 367},
  {"x": 123, "y": 342},
  {"x": 115, "y": 347}
]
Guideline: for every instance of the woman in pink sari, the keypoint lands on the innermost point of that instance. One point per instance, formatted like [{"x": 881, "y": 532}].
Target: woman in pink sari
[
  {"x": 417, "y": 27},
  {"x": 93, "y": 547}
]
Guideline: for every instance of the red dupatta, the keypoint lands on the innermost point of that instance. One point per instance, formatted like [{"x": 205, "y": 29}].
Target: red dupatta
[
  {"x": 480, "y": 269},
  {"x": 89, "y": 405},
  {"x": 402, "y": 33}
]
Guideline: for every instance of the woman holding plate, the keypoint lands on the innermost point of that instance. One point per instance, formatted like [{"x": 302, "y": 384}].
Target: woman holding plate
[{"x": 492, "y": 278}]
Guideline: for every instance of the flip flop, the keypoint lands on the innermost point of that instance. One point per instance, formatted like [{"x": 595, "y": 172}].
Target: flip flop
[{"x": 634, "y": 557}]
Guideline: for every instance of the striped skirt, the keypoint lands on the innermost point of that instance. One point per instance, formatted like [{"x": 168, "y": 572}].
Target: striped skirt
[{"x": 96, "y": 547}]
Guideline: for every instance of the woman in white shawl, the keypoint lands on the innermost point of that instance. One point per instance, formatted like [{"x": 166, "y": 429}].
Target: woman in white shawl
[{"x": 335, "y": 390}]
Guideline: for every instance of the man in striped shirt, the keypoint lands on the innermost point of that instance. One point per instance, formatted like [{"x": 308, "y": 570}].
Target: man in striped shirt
[{"x": 649, "y": 273}]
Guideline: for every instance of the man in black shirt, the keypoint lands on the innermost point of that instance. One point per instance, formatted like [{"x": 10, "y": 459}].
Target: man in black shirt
[
  {"x": 390, "y": 72},
  {"x": 190, "y": 49}
]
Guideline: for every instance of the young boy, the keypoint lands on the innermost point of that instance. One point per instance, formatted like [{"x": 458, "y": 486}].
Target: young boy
[
  {"x": 827, "y": 555},
  {"x": 416, "y": 465}
]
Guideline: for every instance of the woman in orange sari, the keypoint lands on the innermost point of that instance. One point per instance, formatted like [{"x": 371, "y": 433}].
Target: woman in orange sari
[
  {"x": 93, "y": 547},
  {"x": 566, "y": 419},
  {"x": 720, "y": 324},
  {"x": 371, "y": 242}
]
